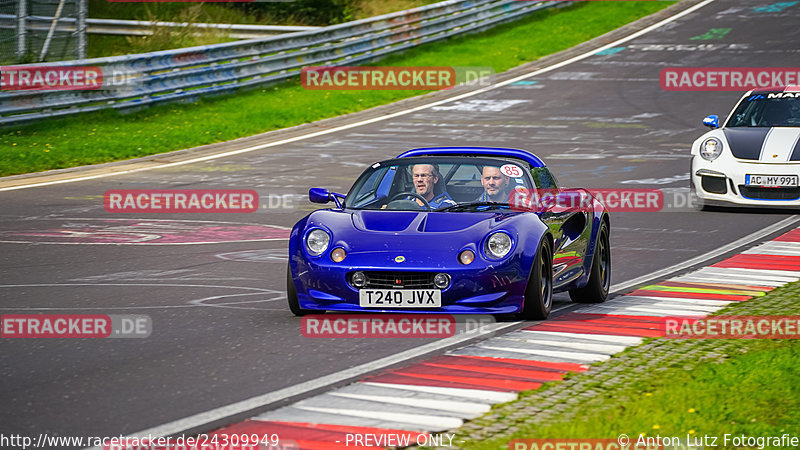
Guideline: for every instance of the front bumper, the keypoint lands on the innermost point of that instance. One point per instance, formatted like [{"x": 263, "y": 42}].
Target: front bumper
[
  {"x": 480, "y": 288},
  {"x": 722, "y": 182}
]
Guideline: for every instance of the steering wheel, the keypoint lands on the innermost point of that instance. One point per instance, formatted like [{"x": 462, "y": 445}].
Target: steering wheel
[{"x": 412, "y": 194}]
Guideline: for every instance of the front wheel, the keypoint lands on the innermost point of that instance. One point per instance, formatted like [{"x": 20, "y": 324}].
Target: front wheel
[
  {"x": 697, "y": 203},
  {"x": 539, "y": 293},
  {"x": 596, "y": 290},
  {"x": 291, "y": 294}
]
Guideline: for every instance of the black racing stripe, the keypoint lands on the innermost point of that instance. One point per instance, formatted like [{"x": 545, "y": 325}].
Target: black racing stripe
[
  {"x": 796, "y": 152},
  {"x": 746, "y": 143}
]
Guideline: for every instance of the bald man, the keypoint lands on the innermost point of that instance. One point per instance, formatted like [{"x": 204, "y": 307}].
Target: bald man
[{"x": 495, "y": 186}]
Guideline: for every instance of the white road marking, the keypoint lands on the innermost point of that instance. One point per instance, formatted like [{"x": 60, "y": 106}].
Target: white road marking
[
  {"x": 599, "y": 348},
  {"x": 441, "y": 405},
  {"x": 625, "y": 340},
  {"x": 694, "y": 301},
  {"x": 643, "y": 311},
  {"x": 568, "y": 356},
  {"x": 751, "y": 282},
  {"x": 475, "y": 394},
  {"x": 734, "y": 273},
  {"x": 428, "y": 421},
  {"x": 775, "y": 248}
]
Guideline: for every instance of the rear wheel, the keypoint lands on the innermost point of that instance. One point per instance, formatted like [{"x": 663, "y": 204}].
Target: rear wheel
[
  {"x": 539, "y": 293},
  {"x": 596, "y": 290},
  {"x": 291, "y": 294}
]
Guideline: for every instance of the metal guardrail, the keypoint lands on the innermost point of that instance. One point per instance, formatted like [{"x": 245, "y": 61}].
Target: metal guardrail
[
  {"x": 145, "y": 28},
  {"x": 185, "y": 74}
]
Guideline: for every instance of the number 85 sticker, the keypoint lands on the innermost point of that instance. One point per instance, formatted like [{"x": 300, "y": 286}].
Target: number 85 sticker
[{"x": 510, "y": 170}]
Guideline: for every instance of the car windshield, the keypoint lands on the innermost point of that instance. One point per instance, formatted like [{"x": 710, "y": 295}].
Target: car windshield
[
  {"x": 441, "y": 184},
  {"x": 767, "y": 110}
]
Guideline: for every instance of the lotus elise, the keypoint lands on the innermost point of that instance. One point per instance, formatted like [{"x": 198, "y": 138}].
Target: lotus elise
[{"x": 442, "y": 230}]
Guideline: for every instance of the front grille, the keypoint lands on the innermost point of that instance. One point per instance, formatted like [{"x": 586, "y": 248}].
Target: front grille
[
  {"x": 399, "y": 280},
  {"x": 761, "y": 193},
  {"x": 715, "y": 185}
]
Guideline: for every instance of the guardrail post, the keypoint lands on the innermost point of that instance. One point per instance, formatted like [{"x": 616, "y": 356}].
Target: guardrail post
[
  {"x": 52, "y": 30},
  {"x": 80, "y": 29},
  {"x": 21, "y": 32}
]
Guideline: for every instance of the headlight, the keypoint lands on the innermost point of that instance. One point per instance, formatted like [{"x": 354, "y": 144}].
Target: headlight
[
  {"x": 441, "y": 280},
  {"x": 710, "y": 149},
  {"x": 317, "y": 242},
  {"x": 358, "y": 279},
  {"x": 498, "y": 245}
]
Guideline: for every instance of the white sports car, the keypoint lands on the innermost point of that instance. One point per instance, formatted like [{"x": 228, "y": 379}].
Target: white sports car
[{"x": 754, "y": 158}]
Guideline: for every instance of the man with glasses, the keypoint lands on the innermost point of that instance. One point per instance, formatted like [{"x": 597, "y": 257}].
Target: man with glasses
[{"x": 425, "y": 178}]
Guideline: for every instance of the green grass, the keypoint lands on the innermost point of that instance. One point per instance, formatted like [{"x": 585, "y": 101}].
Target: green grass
[
  {"x": 752, "y": 388},
  {"x": 756, "y": 394},
  {"x": 106, "y": 136}
]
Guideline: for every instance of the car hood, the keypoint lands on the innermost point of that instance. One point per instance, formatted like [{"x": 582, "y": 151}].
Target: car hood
[
  {"x": 414, "y": 222},
  {"x": 421, "y": 236},
  {"x": 769, "y": 145}
]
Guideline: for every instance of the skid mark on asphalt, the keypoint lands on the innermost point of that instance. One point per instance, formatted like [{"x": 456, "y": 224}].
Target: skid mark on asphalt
[
  {"x": 93, "y": 231},
  {"x": 214, "y": 301},
  {"x": 442, "y": 392},
  {"x": 275, "y": 255}
]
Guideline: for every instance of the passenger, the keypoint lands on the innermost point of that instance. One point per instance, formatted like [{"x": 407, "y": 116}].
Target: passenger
[{"x": 495, "y": 186}]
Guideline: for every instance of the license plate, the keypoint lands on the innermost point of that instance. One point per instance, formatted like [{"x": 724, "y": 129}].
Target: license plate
[
  {"x": 400, "y": 298},
  {"x": 771, "y": 180}
]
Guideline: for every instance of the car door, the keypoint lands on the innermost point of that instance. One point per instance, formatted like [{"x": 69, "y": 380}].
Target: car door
[{"x": 564, "y": 214}]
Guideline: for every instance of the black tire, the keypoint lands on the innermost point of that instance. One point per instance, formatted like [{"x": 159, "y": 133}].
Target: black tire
[
  {"x": 539, "y": 292},
  {"x": 596, "y": 290},
  {"x": 291, "y": 294}
]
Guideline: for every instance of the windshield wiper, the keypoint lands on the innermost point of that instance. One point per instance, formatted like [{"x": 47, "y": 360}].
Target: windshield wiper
[{"x": 471, "y": 205}]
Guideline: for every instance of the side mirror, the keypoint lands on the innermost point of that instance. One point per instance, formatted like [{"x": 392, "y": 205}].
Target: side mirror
[
  {"x": 711, "y": 121},
  {"x": 319, "y": 195}
]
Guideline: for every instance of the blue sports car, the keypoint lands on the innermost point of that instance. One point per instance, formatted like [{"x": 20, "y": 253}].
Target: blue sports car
[{"x": 470, "y": 230}]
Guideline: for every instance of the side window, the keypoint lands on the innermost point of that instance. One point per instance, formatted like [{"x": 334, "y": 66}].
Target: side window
[
  {"x": 386, "y": 182},
  {"x": 375, "y": 186},
  {"x": 543, "y": 178}
]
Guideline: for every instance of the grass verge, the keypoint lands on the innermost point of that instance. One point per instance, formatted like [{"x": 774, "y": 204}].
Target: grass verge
[
  {"x": 106, "y": 136},
  {"x": 695, "y": 389}
]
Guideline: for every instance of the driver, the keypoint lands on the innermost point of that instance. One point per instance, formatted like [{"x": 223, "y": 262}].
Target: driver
[
  {"x": 495, "y": 185},
  {"x": 425, "y": 178}
]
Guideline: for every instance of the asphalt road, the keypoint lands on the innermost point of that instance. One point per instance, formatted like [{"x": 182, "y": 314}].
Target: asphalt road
[{"x": 215, "y": 289}]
